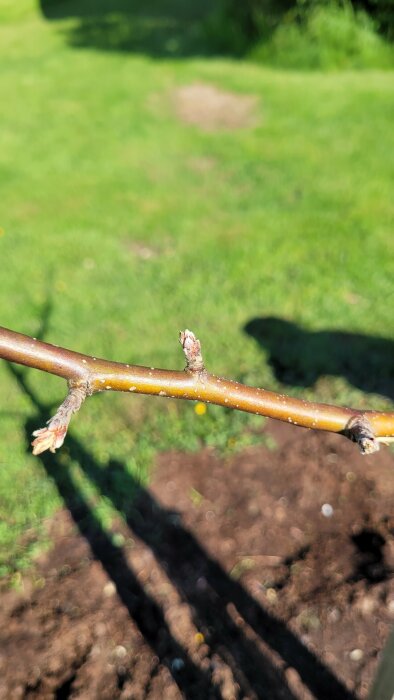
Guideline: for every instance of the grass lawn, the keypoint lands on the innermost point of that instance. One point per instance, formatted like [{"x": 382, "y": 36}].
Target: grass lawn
[{"x": 122, "y": 223}]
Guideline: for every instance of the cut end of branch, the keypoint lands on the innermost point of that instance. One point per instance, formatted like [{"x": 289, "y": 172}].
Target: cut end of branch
[
  {"x": 359, "y": 430},
  {"x": 192, "y": 348},
  {"x": 52, "y": 437}
]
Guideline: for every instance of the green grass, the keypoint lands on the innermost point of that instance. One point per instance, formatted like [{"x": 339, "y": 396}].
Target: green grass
[
  {"x": 291, "y": 218},
  {"x": 324, "y": 38}
]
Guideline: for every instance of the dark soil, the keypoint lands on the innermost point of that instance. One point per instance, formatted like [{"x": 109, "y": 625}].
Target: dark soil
[{"x": 230, "y": 583}]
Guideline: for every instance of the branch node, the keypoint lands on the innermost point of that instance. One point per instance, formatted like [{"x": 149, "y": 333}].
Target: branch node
[
  {"x": 359, "y": 430},
  {"x": 52, "y": 437},
  {"x": 192, "y": 348}
]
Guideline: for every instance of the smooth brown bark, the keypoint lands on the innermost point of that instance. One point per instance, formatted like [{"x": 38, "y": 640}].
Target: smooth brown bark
[{"x": 91, "y": 375}]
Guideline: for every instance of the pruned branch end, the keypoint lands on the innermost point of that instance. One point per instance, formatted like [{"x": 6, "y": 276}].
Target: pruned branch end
[{"x": 359, "y": 430}]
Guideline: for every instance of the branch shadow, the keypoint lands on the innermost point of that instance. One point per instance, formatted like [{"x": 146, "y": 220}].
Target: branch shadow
[
  {"x": 157, "y": 28},
  {"x": 201, "y": 582},
  {"x": 300, "y": 357}
]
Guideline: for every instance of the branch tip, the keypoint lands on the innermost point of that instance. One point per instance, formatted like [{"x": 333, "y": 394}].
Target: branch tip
[
  {"x": 52, "y": 437},
  {"x": 48, "y": 439},
  {"x": 192, "y": 348},
  {"x": 359, "y": 430}
]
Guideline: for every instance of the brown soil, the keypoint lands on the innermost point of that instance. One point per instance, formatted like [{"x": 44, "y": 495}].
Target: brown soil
[
  {"x": 211, "y": 109},
  {"x": 230, "y": 583}
]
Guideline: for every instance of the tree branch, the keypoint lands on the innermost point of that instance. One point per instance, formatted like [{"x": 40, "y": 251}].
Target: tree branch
[{"x": 87, "y": 375}]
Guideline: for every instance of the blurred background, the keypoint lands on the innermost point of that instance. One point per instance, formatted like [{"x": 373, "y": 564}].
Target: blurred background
[{"x": 221, "y": 166}]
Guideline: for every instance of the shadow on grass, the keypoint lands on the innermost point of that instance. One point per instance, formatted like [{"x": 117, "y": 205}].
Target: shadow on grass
[
  {"x": 201, "y": 582},
  {"x": 157, "y": 28},
  {"x": 299, "y": 357}
]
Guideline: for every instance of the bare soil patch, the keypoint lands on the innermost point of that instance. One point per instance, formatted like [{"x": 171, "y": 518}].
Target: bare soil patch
[
  {"x": 265, "y": 575},
  {"x": 212, "y": 109}
]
